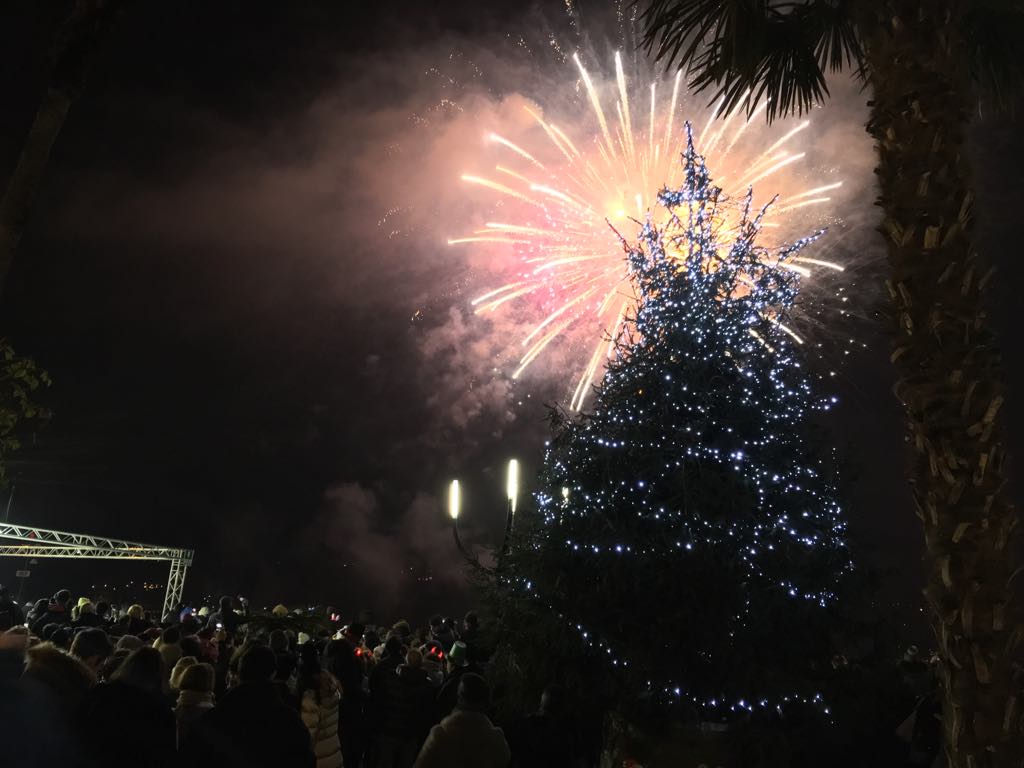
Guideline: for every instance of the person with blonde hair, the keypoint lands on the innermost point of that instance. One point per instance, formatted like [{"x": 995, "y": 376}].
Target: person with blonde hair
[
  {"x": 179, "y": 670},
  {"x": 135, "y": 622},
  {"x": 195, "y": 695},
  {"x": 321, "y": 700}
]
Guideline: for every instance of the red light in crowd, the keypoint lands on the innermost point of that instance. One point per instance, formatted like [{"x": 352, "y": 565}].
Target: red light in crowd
[{"x": 359, "y": 651}]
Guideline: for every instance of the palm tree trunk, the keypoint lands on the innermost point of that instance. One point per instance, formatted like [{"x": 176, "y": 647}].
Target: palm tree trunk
[
  {"x": 75, "y": 41},
  {"x": 948, "y": 376},
  {"x": 32, "y": 162}
]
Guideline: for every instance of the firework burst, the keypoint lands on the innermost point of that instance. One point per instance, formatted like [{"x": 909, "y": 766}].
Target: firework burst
[{"x": 562, "y": 194}]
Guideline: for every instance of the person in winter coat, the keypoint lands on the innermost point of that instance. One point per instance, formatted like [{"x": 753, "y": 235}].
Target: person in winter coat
[
  {"x": 226, "y": 617},
  {"x": 321, "y": 701},
  {"x": 345, "y": 663},
  {"x": 466, "y": 738},
  {"x": 169, "y": 645},
  {"x": 458, "y": 665},
  {"x": 195, "y": 697},
  {"x": 433, "y": 662},
  {"x": 547, "y": 738},
  {"x": 250, "y": 727},
  {"x": 57, "y": 612},
  {"x": 41, "y": 689},
  {"x": 407, "y": 709},
  {"x": 391, "y": 657},
  {"x": 87, "y": 616},
  {"x": 92, "y": 647},
  {"x": 441, "y": 632},
  {"x": 128, "y": 722},
  {"x": 134, "y": 622},
  {"x": 11, "y": 614}
]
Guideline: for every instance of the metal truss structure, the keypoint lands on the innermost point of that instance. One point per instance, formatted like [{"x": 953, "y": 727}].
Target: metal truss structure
[{"x": 42, "y": 542}]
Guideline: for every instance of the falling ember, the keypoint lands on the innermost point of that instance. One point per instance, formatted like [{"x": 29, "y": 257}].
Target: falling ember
[{"x": 564, "y": 197}]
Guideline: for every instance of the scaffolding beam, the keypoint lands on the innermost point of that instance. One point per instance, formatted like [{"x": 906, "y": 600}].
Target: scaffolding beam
[{"x": 45, "y": 542}]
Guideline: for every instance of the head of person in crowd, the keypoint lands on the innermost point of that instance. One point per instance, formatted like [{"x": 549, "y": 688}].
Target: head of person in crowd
[
  {"x": 92, "y": 647},
  {"x": 278, "y": 641},
  {"x": 227, "y": 604},
  {"x": 39, "y": 608},
  {"x": 103, "y": 610},
  {"x": 280, "y": 611},
  {"x": 474, "y": 694},
  {"x": 413, "y": 658},
  {"x": 197, "y": 677},
  {"x": 234, "y": 663},
  {"x": 143, "y": 669},
  {"x": 65, "y": 676},
  {"x": 136, "y": 612},
  {"x": 195, "y": 688},
  {"x": 354, "y": 633},
  {"x": 257, "y": 665},
  {"x": 552, "y": 701},
  {"x": 392, "y": 647},
  {"x": 190, "y": 645},
  {"x": 62, "y": 637},
  {"x": 63, "y": 598},
  {"x": 112, "y": 663},
  {"x": 179, "y": 669},
  {"x": 128, "y": 643},
  {"x": 402, "y": 629},
  {"x": 372, "y": 639},
  {"x": 471, "y": 622}
]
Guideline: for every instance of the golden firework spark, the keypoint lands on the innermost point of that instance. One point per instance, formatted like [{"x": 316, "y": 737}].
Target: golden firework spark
[{"x": 564, "y": 194}]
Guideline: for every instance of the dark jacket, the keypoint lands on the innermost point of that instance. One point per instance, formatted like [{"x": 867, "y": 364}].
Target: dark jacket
[
  {"x": 122, "y": 725},
  {"x": 448, "y": 696},
  {"x": 230, "y": 620},
  {"x": 376, "y": 684},
  {"x": 11, "y": 614},
  {"x": 407, "y": 704},
  {"x": 542, "y": 741},
  {"x": 55, "y": 614},
  {"x": 250, "y": 727}
]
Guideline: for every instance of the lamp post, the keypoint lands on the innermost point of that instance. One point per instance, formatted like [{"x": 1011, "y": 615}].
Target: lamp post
[
  {"x": 512, "y": 496},
  {"x": 454, "y": 507}
]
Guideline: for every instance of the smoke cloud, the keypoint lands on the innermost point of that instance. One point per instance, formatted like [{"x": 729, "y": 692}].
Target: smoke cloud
[{"x": 316, "y": 240}]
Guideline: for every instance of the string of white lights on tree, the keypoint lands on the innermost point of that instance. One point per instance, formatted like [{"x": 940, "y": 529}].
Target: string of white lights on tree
[{"x": 688, "y": 526}]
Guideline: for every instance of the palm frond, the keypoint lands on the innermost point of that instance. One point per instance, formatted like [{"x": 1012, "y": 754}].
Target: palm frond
[
  {"x": 748, "y": 50},
  {"x": 992, "y": 31}
]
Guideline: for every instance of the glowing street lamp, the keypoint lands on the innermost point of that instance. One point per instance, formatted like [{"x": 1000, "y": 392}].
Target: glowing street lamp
[
  {"x": 454, "y": 507},
  {"x": 512, "y": 485},
  {"x": 454, "y": 500}
]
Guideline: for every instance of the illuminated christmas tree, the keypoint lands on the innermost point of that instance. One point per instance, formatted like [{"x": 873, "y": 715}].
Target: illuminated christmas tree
[{"x": 687, "y": 528}]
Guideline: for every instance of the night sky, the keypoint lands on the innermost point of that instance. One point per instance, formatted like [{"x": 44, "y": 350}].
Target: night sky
[{"x": 246, "y": 361}]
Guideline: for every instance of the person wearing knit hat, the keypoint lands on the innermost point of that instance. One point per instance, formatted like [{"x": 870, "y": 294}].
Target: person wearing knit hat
[
  {"x": 280, "y": 611},
  {"x": 458, "y": 667}
]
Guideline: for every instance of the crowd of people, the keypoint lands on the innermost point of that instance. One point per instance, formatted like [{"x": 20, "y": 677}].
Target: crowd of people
[{"x": 91, "y": 684}]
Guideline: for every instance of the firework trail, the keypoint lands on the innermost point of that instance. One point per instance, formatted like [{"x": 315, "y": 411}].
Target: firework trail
[{"x": 560, "y": 195}]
